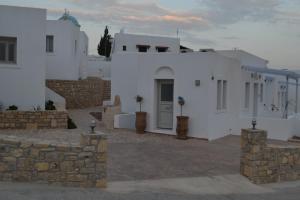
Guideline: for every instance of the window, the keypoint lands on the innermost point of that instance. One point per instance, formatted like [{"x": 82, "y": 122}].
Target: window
[
  {"x": 162, "y": 49},
  {"x": 142, "y": 48},
  {"x": 247, "y": 95},
  {"x": 124, "y": 48},
  {"x": 8, "y": 50},
  {"x": 221, "y": 95},
  {"x": 261, "y": 92},
  {"x": 49, "y": 44},
  {"x": 224, "y": 96},
  {"x": 167, "y": 92},
  {"x": 75, "y": 49},
  {"x": 86, "y": 50}
]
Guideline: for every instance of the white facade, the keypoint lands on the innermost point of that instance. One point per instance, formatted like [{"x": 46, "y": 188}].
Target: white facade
[
  {"x": 28, "y": 57},
  {"x": 213, "y": 87},
  {"x": 134, "y": 74},
  {"x": 68, "y": 61},
  {"x": 98, "y": 66},
  {"x": 124, "y": 42},
  {"x": 23, "y": 83}
]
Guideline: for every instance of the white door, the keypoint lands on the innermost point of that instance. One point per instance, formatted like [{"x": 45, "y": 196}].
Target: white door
[
  {"x": 255, "y": 99},
  {"x": 165, "y": 104}
]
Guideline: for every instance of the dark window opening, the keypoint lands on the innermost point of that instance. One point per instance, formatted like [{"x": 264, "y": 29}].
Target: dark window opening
[
  {"x": 124, "y": 48},
  {"x": 162, "y": 49},
  {"x": 8, "y": 50},
  {"x": 143, "y": 48},
  {"x": 49, "y": 43},
  {"x": 167, "y": 92}
]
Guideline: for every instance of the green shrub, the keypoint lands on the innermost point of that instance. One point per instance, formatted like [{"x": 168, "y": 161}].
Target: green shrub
[
  {"x": 12, "y": 107},
  {"x": 50, "y": 105},
  {"x": 71, "y": 124}
]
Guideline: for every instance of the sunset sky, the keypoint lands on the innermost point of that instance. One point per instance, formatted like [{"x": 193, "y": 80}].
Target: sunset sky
[{"x": 268, "y": 28}]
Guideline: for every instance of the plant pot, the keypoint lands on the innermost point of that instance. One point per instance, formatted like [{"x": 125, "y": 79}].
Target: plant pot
[
  {"x": 182, "y": 127},
  {"x": 140, "y": 122}
]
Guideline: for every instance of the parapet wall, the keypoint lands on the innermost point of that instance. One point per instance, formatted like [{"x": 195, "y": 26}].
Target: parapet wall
[
  {"x": 82, "y": 93},
  {"x": 263, "y": 163},
  {"x": 33, "y": 120},
  {"x": 73, "y": 165}
]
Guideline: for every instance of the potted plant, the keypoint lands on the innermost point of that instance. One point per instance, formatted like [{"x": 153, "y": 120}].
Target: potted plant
[
  {"x": 140, "y": 121},
  {"x": 182, "y": 122}
]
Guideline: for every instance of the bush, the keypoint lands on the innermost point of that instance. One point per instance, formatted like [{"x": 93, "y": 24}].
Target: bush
[
  {"x": 50, "y": 105},
  {"x": 71, "y": 124},
  {"x": 12, "y": 107}
]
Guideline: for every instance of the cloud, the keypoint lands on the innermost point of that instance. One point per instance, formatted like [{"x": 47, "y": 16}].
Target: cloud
[
  {"x": 230, "y": 38},
  {"x": 149, "y": 17},
  {"x": 142, "y": 17},
  {"x": 233, "y": 11}
]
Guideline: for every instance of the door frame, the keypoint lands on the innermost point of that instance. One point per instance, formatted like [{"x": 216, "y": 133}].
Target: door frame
[{"x": 158, "y": 90}]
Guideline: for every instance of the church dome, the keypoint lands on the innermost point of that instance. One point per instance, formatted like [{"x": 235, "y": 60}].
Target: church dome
[{"x": 67, "y": 17}]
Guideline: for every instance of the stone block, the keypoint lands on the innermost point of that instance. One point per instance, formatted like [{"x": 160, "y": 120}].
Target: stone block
[
  {"x": 102, "y": 183},
  {"x": 102, "y": 146},
  {"x": 67, "y": 166},
  {"x": 42, "y": 166}
]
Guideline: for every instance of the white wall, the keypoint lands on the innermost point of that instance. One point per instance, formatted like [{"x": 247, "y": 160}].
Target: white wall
[
  {"x": 66, "y": 63},
  {"x": 23, "y": 84},
  {"x": 98, "y": 67},
  {"x": 131, "y": 40},
  {"x": 124, "y": 72},
  {"x": 134, "y": 74},
  {"x": 83, "y": 53},
  {"x": 245, "y": 58}
]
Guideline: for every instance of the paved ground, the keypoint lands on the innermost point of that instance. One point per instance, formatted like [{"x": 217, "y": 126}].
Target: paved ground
[
  {"x": 152, "y": 166},
  {"x": 227, "y": 187}
]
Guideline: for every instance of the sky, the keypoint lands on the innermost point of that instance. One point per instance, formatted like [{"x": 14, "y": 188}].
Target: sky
[{"x": 267, "y": 28}]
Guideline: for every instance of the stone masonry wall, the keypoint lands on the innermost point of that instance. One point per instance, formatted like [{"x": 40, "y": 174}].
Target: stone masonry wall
[
  {"x": 264, "y": 163},
  {"x": 73, "y": 165},
  {"x": 79, "y": 94},
  {"x": 33, "y": 120}
]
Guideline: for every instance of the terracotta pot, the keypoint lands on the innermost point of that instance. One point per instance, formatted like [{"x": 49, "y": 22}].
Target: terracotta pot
[
  {"x": 182, "y": 127},
  {"x": 140, "y": 122}
]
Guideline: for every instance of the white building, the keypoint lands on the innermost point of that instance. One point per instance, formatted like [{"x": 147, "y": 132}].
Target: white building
[
  {"x": 223, "y": 90},
  {"x": 124, "y": 42},
  {"x": 66, "y": 48},
  {"x": 33, "y": 49},
  {"x": 22, "y": 57}
]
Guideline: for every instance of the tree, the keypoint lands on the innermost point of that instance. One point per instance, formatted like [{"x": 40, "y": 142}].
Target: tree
[{"x": 104, "y": 46}]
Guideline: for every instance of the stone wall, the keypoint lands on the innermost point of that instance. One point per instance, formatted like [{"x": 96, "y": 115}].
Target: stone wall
[
  {"x": 79, "y": 94},
  {"x": 266, "y": 163},
  {"x": 73, "y": 165},
  {"x": 107, "y": 90},
  {"x": 33, "y": 120}
]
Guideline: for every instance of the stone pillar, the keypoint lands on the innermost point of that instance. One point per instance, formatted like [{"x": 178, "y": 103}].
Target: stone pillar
[
  {"x": 97, "y": 143},
  {"x": 109, "y": 115},
  {"x": 253, "y": 146}
]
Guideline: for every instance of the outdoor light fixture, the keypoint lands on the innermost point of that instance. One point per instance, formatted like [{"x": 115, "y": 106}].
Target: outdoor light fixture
[
  {"x": 92, "y": 126},
  {"x": 253, "y": 124}
]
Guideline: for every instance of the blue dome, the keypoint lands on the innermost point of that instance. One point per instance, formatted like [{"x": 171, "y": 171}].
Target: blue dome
[{"x": 66, "y": 16}]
